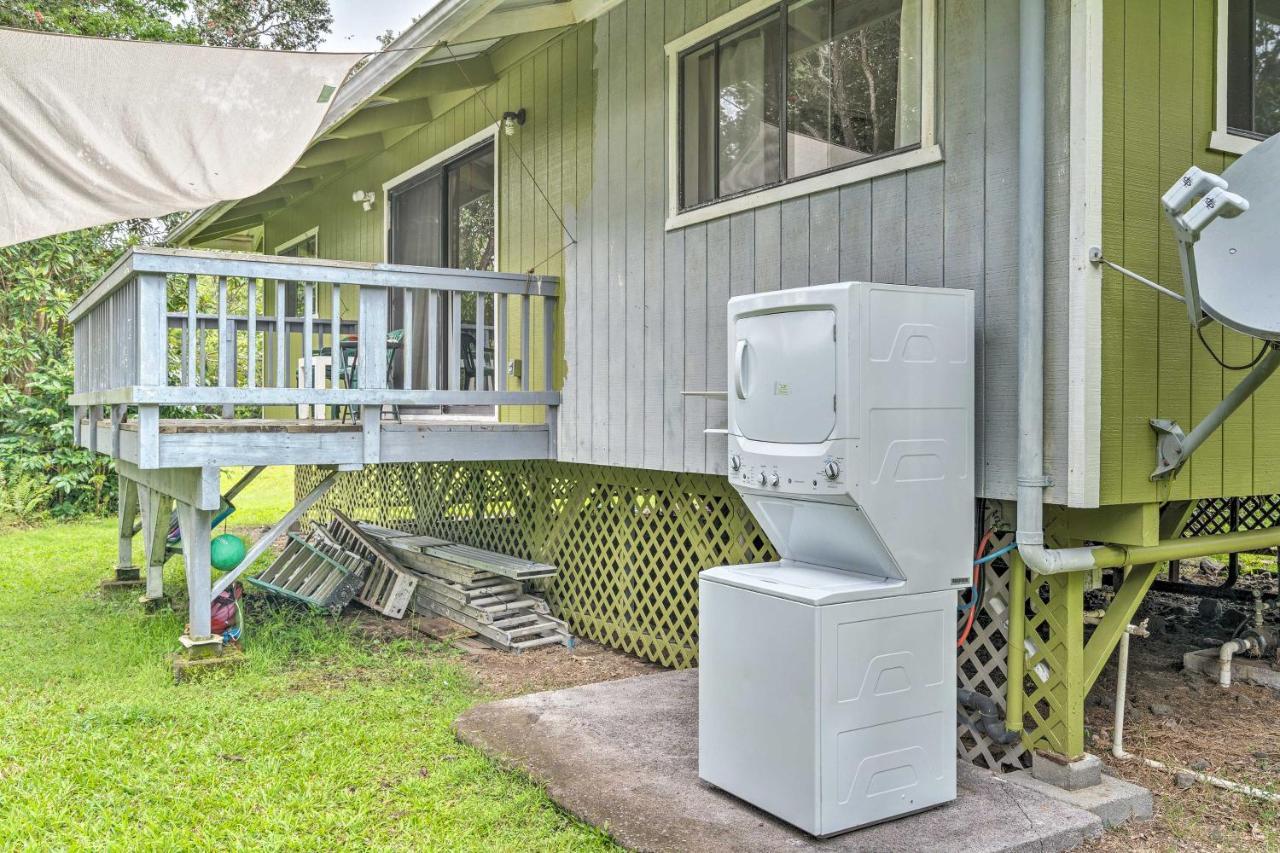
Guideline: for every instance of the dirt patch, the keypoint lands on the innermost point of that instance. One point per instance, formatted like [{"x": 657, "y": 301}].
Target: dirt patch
[
  {"x": 549, "y": 668},
  {"x": 500, "y": 673},
  {"x": 1186, "y": 721}
]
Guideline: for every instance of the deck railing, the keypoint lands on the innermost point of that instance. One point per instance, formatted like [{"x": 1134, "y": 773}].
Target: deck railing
[{"x": 213, "y": 331}]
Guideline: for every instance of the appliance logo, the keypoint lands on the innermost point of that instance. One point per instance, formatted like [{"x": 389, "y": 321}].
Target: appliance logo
[{"x": 781, "y": 389}]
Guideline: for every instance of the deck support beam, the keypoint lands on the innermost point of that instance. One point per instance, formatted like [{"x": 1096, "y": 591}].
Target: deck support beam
[
  {"x": 279, "y": 529},
  {"x": 127, "y": 509},
  {"x": 156, "y": 508}
]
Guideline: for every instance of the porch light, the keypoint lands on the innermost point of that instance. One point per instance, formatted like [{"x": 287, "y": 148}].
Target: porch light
[
  {"x": 365, "y": 198},
  {"x": 510, "y": 120}
]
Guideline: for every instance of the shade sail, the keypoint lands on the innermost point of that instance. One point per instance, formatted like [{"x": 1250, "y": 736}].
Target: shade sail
[{"x": 94, "y": 131}]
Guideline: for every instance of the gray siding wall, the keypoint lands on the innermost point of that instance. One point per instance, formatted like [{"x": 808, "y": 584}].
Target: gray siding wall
[{"x": 645, "y": 308}]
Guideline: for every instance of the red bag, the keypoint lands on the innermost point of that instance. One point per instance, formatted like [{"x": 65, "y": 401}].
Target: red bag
[{"x": 223, "y": 610}]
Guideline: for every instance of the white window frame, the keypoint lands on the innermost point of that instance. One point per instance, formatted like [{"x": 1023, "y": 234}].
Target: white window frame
[
  {"x": 928, "y": 151},
  {"x": 1221, "y": 139},
  {"x": 301, "y": 238},
  {"x": 453, "y": 151}
]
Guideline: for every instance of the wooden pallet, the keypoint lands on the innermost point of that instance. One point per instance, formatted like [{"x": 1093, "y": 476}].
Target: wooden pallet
[
  {"x": 439, "y": 556},
  {"x": 315, "y": 570},
  {"x": 477, "y": 589},
  {"x": 514, "y": 631},
  {"x": 389, "y": 586}
]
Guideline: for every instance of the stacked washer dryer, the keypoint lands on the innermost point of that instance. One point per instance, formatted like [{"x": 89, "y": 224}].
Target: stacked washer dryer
[{"x": 827, "y": 680}]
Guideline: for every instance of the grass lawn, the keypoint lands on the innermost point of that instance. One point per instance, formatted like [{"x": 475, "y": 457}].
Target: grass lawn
[{"x": 323, "y": 740}]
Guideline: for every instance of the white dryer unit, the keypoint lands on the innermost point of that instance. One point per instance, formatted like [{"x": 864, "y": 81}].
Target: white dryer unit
[{"x": 827, "y": 680}]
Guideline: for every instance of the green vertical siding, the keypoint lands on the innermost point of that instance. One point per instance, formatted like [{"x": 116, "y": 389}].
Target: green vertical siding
[
  {"x": 1158, "y": 109},
  {"x": 547, "y": 83}
]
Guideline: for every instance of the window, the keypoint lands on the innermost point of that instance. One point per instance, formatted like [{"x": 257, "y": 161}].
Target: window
[
  {"x": 1248, "y": 79},
  {"x": 444, "y": 215},
  {"x": 797, "y": 89},
  {"x": 306, "y": 246},
  {"x": 1253, "y": 67}
]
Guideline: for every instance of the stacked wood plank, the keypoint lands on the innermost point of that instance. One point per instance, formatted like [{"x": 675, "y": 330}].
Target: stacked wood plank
[
  {"x": 389, "y": 586},
  {"x": 480, "y": 590},
  {"x": 315, "y": 570}
]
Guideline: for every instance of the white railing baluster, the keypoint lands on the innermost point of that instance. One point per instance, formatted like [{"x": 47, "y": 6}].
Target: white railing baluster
[
  {"x": 406, "y": 341},
  {"x": 455, "y": 340},
  {"x": 335, "y": 335},
  {"x": 548, "y": 342},
  {"x": 525, "y": 321},
  {"x": 193, "y": 305},
  {"x": 282, "y": 339},
  {"x": 480, "y": 341},
  {"x": 432, "y": 342},
  {"x": 222, "y": 331},
  {"x": 500, "y": 342},
  {"x": 251, "y": 362},
  {"x": 308, "y": 297}
]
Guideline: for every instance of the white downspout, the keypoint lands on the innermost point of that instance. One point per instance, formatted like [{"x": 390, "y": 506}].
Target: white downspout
[{"x": 1031, "y": 143}]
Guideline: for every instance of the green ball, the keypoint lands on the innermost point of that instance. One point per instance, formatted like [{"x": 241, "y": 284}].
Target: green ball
[{"x": 226, "y": 552}]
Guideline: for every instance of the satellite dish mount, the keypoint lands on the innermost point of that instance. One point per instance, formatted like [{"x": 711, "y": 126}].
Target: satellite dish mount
[{"x": 1223, "y": 268}]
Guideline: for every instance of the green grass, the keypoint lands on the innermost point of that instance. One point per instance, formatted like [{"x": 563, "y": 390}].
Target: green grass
[{"x": 322, "y": 740}]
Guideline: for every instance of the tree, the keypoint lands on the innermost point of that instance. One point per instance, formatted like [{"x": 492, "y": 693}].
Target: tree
[
  {"x": 41, "y": 471},
  {"x": 279, "y": 24}
]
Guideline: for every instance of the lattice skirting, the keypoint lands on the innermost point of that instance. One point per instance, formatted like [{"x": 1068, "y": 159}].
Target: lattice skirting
[
  {"x": 982, "y": 665},
  {"x": 1227, "y": 515},
  {"x": 629, "y": 543}
]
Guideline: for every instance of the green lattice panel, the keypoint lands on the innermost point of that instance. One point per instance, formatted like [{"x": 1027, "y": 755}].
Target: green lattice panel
[
  {"x": 629, "y": 543},
  {"x": 1054, "y": 681}
]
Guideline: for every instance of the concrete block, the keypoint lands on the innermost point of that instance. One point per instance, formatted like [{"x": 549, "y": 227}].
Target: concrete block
[
  {"x": 1113, "y": 800},
  {"x": 1066, "y": 773},
  {"x": 193, "y": 668},
  {"x": 1250, "y": 670},
  {"x": 155, "y": 605}
]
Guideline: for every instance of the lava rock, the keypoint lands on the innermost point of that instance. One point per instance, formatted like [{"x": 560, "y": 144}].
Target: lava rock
[
  {"x": 1210, "y": 565},
  {"x": 1159, "y": 709},
  {"x": 1199, "y": 763},
  {"x": 1209, "y": 609},
  {"x": 1184, "y": 779}
]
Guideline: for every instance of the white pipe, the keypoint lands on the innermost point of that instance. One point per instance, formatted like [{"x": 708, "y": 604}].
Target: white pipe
[
  {"x": 1216, "y": 781},
  {"x": 1117, "y": 740},
  {"x": 1122, "y": 685},
  {"x": 1226, "y": 652}
]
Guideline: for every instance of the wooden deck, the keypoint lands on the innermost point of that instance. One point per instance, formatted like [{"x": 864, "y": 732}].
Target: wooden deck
[{"x": 219, "y": 442}]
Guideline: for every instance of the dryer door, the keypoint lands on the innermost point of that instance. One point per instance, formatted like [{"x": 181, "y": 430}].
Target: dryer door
[{"x": 782, "y": 376}]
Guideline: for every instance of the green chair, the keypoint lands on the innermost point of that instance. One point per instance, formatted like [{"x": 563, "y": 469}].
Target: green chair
[{"x": 349, "y": 367}]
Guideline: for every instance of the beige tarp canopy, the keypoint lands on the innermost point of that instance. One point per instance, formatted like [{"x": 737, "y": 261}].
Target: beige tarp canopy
[{"x": 94, "y": 131}]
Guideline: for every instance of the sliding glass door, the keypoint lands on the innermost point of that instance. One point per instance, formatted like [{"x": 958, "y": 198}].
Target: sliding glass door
[{"x": 445, "y": 216}]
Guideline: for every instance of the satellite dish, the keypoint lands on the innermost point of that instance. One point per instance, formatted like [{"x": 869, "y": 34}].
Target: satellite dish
[{"x": 1236, "y": 259}]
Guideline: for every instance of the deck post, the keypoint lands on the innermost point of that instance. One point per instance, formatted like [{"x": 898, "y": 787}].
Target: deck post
[
  {"x": 195, "y": 525},
  {"x": 156, "y": 508},
  {"x": 372, "y": 361},
  {"x": 126, "y": 573},
  {"x": 153, "y": 368}
]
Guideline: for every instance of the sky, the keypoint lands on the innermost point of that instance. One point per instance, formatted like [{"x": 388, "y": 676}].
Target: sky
[{"x": 358, "y": 23}]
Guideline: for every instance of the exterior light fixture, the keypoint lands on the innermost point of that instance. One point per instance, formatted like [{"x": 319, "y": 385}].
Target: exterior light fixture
[
  {"x": 364, "y": 198},
  {"x": 510, "y": 120}
]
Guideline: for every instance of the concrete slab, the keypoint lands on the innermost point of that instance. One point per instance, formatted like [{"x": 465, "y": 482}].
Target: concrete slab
[
  {"x": 1113, "y": 800},
  {"x": 623, "y": 756},
  {"x": 1251, "y": 670}
]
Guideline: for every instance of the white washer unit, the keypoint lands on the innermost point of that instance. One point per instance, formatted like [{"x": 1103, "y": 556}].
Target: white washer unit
[{"x": 827, "y": 680}]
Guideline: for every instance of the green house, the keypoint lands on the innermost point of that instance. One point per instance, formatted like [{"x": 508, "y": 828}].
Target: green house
[{"x": 605, "y": 174}]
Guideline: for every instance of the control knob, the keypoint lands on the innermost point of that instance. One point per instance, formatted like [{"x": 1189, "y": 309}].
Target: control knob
[
  {"x": 761, "y": 479},
  {"x": 735, "y": 462},
  {"x": 831, "y": 470},
  {"x": 773, "y": 479}
]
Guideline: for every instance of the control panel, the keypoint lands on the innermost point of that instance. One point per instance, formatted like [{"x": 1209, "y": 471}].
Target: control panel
[{"x": 809, "y": 470}]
